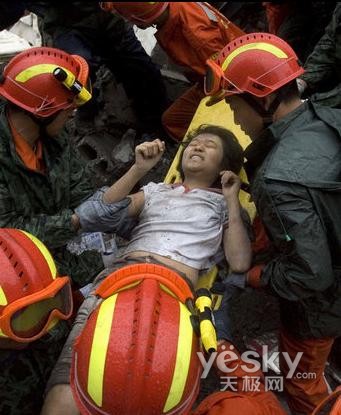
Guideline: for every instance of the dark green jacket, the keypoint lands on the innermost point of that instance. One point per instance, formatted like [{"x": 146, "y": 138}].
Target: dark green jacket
[
  {"x": 43, "y": 204},
  {"x": 323, "y": 66},
  {"x": 295, "y": 173}
]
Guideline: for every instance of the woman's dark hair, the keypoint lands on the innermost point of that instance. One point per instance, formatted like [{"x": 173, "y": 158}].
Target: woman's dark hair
[{"x": 232, "y": 151}]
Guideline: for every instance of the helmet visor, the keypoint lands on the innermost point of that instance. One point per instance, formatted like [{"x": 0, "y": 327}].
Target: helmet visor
[
  {"x": 32, "y": 320},
  {"x": 213, "y": 78}
]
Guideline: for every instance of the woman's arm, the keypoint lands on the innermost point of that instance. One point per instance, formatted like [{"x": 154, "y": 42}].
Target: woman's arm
[
  {"x": 146, "y": 156},
  {"x": 237, "y": 245}
]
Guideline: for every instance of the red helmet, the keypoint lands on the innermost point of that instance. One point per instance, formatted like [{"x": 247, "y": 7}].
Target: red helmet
[
  {"x": 32, "y": 296},
  {"x": 137, "y": 352},
  {"x": 256, "y": 63},
  {"x": 137, "y": 12},
  {"x": 29, "y": 81}
]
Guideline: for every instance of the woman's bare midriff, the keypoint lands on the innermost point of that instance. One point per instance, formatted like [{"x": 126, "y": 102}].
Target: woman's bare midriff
[{"x": 191, "y": 273}]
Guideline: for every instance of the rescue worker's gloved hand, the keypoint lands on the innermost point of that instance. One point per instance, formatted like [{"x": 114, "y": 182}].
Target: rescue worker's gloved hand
[
  {"x": 252, "y": 278},
  {"x": 232, "y": 283},
  {"x": 236, "y": 279},
  {"x": 98, "y": 216},
  {"x": 98, "y": 195}
]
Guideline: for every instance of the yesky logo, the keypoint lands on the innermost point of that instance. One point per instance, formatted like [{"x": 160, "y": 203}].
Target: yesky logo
[{"x": 228, "y": 361}]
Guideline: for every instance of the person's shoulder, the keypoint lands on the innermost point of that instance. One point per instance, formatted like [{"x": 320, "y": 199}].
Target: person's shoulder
[
  {"x": 156, "y": 187},
  {"x": 330, "y": 116}
]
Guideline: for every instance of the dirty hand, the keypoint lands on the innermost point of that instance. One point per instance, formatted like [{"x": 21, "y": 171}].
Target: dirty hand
[
  {"x": 148, "y": 154},
  {"x": 230, "y": 183}
]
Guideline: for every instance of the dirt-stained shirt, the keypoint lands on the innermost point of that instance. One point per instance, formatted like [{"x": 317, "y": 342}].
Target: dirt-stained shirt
[{"x": 181, "y": 224}]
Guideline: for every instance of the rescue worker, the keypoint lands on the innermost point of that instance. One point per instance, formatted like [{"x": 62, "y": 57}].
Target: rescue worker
[
  {"x": 42, "y": 179},
  {"x": 173, "y": 222},
  {"x": 322, "y": 77},
  {"x": 293, "y": 165},
  {"x": 190, "y": 33},
  {"x": 34, "y": 301},
  {"x": 82, "y": 28}
]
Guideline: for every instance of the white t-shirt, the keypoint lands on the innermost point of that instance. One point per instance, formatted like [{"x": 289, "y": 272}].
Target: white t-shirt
[{"x": 186, "y": 226}]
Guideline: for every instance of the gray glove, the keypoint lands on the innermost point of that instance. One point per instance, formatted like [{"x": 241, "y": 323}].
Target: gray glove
[
  {"x": 97, "y": 216},
  {"x": 235, "y": 279}
]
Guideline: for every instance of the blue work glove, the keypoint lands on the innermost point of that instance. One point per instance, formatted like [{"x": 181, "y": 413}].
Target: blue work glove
[
  {"x": 235, "y": 279},
  {"x": 98, "y": 216}
]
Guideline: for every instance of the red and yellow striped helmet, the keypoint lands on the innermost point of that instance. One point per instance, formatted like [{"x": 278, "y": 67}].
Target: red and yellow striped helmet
[
  {"x": 28, "y": 80},
  {"x": 137, "y": 352},
  {"x": 32, "y": 296},
  {"x": 256, "y": 63},
  {"x": 137, "y": 12}
]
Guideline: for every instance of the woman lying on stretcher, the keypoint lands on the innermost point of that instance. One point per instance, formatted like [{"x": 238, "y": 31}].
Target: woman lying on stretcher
[{"x": 180, "y": 225}]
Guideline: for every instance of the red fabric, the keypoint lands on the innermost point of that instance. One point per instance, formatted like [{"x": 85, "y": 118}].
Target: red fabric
[
  {"x": 190, "y": 37},
  {"x": 233, "y": 403},
  {"x": 259, "y": 402},
  {"x": 179, "y": 115},
  {"x": 337, "y": 407},
  {"x": 276, "y": 14},
  {"x": 254, "y": 276},
  {"x": 333, "y": 399},
  {"x": 261, "y": 242},
  {"x": 305, "y": 394}
]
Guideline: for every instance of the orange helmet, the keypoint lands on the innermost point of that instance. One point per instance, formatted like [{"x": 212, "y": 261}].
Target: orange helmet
[
  {"x": 256, "y": 63},
  {"x": 32, "y": 296},
  {"x": 137, "y": 12},
  {"x": 137, "y": 352},
  {"x": 44, "y": 81}
]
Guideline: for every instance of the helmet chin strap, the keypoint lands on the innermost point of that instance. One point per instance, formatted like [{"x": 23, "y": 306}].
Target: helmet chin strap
[{"x": 266, "y": 114}]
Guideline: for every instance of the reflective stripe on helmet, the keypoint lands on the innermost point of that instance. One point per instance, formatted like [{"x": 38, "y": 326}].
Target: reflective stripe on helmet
[
  {"x": 99, "y": 349},
  {"x": 3, "y": 302},
  {"x": 274, "y": 50},
  {"x": 183, "y": 359},
  {"x": 3, "y": 299},
  {"x": 37, "y": 70},
  {"x": 45, "y": 252}
]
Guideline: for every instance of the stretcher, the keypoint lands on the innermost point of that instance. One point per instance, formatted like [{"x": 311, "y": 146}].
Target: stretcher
[{"x": 221, "y": 115}]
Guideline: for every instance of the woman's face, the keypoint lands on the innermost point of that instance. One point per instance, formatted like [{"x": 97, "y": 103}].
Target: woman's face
[{"x": 203, "y": 154}]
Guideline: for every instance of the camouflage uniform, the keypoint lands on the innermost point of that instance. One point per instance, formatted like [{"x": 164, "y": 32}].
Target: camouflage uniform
[
  {"x": 24, "y": 373},
  {"x": 323, "y": 66},
  {"x": 43, "y": 204}
]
